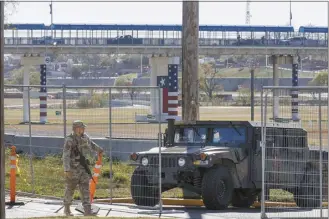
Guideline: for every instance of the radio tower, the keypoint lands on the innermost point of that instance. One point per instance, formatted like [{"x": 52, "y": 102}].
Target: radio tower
[{"x": 248, "y": 15}]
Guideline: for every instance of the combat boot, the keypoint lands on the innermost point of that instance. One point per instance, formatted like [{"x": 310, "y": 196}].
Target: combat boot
[
  {"x": 87, "y": 211},
  {"x": 67, "y": 210}
]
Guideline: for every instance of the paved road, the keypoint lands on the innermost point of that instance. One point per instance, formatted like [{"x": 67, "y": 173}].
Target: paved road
[{"x": 47, "y": 208}]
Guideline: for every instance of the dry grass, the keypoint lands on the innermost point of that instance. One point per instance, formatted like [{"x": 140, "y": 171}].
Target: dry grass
[
  {"x": 19, "y": 102},
  {"x": 127, "y": 115},
  {"x": 48, "y": 179},
  {"x": 124, "y": 125}
]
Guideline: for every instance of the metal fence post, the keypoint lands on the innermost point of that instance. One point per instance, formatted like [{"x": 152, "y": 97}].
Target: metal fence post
[
  {"x": 263, "y": 156},
  {"x": 328, "y": 103},
  {"x": 320, "y": 160},
  {"x": 281, "y": 165},
  {"x": 64, "y": 110},
  {"x": 30, "y": 138},
  {"x": 2, "y": 122},
  {"x": 160, "y": 140},
  {"x": 110, "y": 144}
]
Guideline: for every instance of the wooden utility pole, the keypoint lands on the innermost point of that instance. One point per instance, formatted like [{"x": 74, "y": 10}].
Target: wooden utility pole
[
  {"x": 2, "y": 126},
  {"x": 190, "y": 61}
]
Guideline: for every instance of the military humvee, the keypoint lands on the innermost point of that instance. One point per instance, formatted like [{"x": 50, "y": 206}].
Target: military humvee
[{"x": 222, "y": 162}]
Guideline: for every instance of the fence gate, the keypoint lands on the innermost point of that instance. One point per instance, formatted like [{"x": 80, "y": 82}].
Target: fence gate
[
  {"x": 134, "y": 120},
  {"x": 294, "y": 135}
]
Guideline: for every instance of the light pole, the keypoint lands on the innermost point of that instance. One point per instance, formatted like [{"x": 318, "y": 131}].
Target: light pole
[
  {"x": 2, "y": 148},
  {"x": 252, "y": 67},
  {"x": 51, "y": 17},
  {"x": 290, "y": 13}
]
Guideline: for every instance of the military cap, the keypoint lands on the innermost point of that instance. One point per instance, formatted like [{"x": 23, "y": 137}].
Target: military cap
[{"x": 78, "y": 123}]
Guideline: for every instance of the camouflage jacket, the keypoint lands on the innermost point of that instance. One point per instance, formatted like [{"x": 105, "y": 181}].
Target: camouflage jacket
[{"x": 85, "y": 146}]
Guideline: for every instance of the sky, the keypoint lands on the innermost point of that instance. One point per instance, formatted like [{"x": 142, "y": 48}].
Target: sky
[{"x": 210, "y": 13}]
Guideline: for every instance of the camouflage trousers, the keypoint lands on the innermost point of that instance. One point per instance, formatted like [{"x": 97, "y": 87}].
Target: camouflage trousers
[{"x": 81, "y": 179}]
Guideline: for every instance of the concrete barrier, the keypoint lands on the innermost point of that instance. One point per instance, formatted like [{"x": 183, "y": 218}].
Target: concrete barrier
[{"x": 42, "y": 145}]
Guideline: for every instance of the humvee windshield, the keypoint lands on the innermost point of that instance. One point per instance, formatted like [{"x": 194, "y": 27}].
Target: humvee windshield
[
  {"x": 229, "y": 135},
  {"x": 214, "y": 136},
  {"x": 190, "y": 135}
]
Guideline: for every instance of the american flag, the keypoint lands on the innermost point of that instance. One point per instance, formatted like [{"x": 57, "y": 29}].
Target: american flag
[
  {"x": 43, "y": 94},
  {"x": 169, "y": 85},
  {"x": 294, "y": 93},
  {"x": 43, "y": 79}
]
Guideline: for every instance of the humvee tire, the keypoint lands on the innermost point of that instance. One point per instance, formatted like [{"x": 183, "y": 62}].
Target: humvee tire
[
  {"x": 217, "y": 188},
  {"x": 241, "y": 200},
  {"x": 308, "y": 194},
  {"x": 141, "y": 192}
]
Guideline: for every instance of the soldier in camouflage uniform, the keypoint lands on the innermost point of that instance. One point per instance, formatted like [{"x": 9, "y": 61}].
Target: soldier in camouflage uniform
[{"x": 75, "y": 174}]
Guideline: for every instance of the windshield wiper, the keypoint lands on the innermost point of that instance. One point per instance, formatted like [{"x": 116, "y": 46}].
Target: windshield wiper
[{"x": 235, "y": 128}]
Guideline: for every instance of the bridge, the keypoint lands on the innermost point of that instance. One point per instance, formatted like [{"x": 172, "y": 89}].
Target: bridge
[{"x": 163, "y": 39}]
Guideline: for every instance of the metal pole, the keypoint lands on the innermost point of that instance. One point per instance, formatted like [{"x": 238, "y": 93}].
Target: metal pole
[
  {"x": 141, "y": 64},
  {"x": 263, "y": 144},
  {"x": 290, "y": 14},
  {"x": 252, "y": 93},
  {"x": 26, "y": 81},
  {"x": 2, "y": 122},
  {"x": 51, "y": 12},
  {"x": 110, "y": 144},
  {"x": 328, "y": 91},
  {"x": 276, "y": 102},
  {"x": 320, "y": 164},
  {"x": 160, "y": 163},
  {"x": 30, "y": 139},
  {"x": 64, "y": 110},
  {"x": 51, "y": 17}
]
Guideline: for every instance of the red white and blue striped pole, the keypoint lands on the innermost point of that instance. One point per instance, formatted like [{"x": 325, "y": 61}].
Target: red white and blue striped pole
[
  {"x": 294, "y": 92},
  {"x": 173, "y": 91},
  {"x": 43, "y": 94}
]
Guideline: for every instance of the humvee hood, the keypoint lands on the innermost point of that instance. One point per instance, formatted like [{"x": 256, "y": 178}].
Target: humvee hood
[{"x": 187, "y": 150}]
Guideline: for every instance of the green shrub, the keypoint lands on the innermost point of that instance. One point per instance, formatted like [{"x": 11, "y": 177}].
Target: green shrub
[
  {"x": 96, "y": 101},
  {"x": 120, "y": 178}
]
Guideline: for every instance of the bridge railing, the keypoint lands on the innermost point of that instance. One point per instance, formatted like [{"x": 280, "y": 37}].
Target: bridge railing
[{"x": 72, "y": 41}]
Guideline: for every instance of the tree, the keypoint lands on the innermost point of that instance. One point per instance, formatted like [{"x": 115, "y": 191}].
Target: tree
[
  {"x": 244, "y": 97},
  {"x": 107, "y": 61},
  {"x": 321, "y": 79},
  {"x": 128, "y": 80},
  {"x": 207, "y": 78},
  {"x": 60, "y": 57},
  {"x": 18, "y": 77},
  {"x": 134, "y": 60},
  {"x": 75, "y": 72}
]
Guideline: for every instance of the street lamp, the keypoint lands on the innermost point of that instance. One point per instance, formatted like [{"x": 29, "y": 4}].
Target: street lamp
[{"x": 51, "y": 17}]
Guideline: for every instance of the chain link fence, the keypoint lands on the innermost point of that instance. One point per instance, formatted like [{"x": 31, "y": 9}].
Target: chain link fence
[
  {"x": 294, "y": 152},
  {"x": 114, "y": 119},
  {"x": 88, "y": 103}
]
